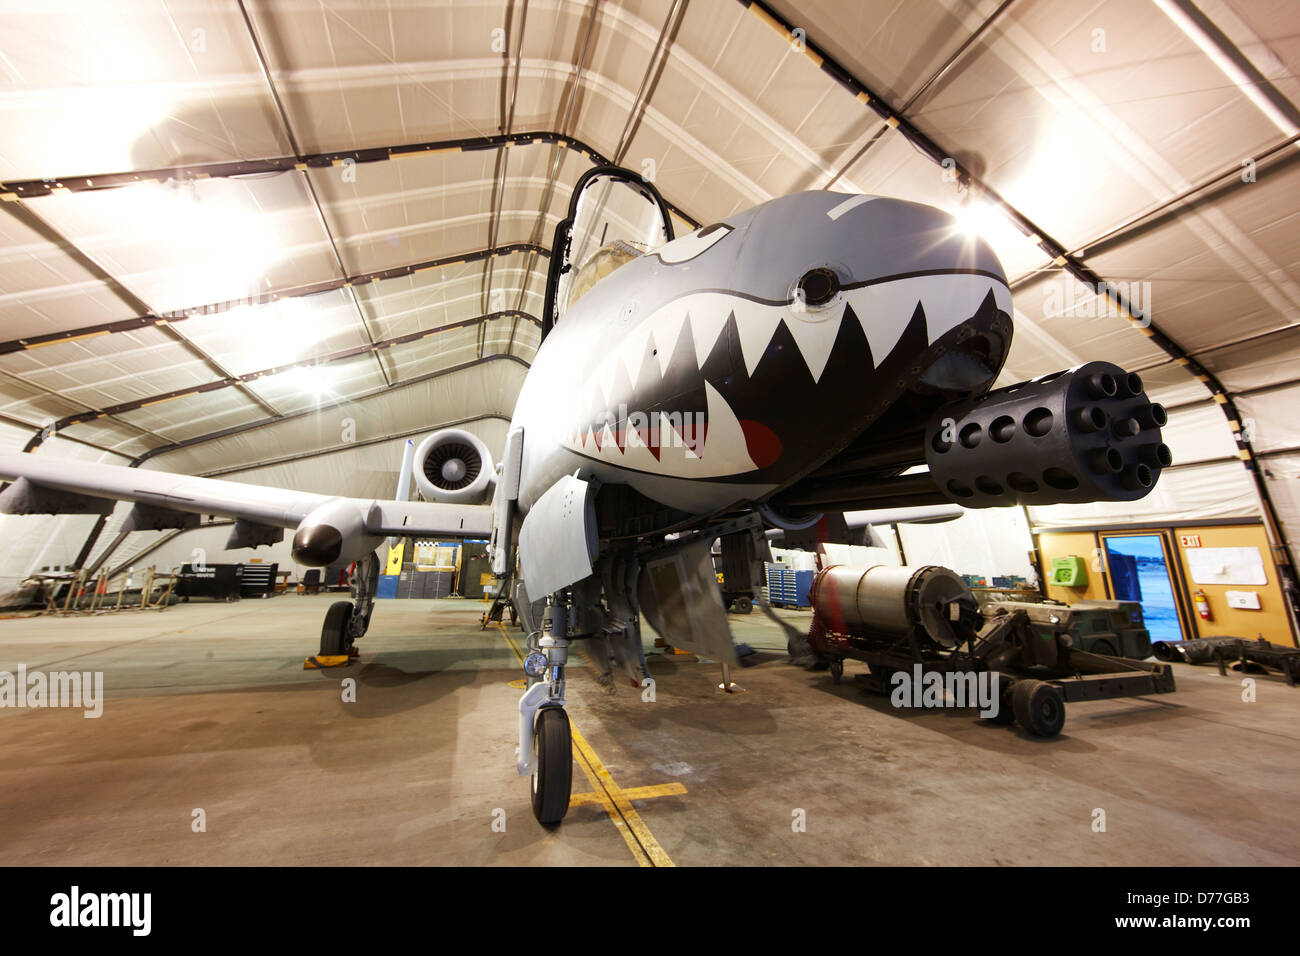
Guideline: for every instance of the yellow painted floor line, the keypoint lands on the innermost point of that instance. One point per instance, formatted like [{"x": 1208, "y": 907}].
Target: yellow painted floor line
[
  {"x": 616, "y": 801},
  {"x": 632, "y": 793},
  {"x": 606, "y": 802},
  {"x": 600, "y": 777}
]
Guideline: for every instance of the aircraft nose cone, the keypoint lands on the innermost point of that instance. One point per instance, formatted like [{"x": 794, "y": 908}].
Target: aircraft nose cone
[
  {"x": 317, "y": 546},
  {"x": 797, "y": 242}
]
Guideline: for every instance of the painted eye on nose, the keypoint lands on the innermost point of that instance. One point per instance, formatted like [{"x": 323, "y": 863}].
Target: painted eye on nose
[{"x": 818, "y": 286}]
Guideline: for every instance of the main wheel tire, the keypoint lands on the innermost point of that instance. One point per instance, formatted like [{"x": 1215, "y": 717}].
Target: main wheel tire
[
  {"x": 553, "y": 776},
  {"x": 1006, "y": 708},
  {"x": 334, "y": 638},
  {"x": 837, "y": 671},
  {"x": 1039, "y": 707}
]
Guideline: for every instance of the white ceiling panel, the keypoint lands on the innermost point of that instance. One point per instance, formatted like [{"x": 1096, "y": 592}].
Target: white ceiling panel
[
  {"x": 182, "y": 245},
  {"x": 45, "y": 289},
  {"x": 258, "y": 337},
  {"x": 303, "y": 388},
  {"x": 428, "y": 300},
  {"x": 190, "y": 415},
  {"x": 92, "y": 87},
  {"x": 111, "y": 369}
]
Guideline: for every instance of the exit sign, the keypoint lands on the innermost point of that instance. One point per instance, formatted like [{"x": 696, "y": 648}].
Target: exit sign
[{"x": 1189, "y": 540}]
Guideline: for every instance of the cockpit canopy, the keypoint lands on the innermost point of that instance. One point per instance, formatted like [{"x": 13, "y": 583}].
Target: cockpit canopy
[
  {"x": 614, "y": 216},
  {"x": 605, "y": 260}
]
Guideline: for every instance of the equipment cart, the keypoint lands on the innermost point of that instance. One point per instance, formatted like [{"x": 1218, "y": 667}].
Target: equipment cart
[{"x": 923, "y": 620}]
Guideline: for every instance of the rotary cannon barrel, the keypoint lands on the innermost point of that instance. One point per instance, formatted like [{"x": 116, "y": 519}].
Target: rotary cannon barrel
[{"x": 1087, "y": 434}]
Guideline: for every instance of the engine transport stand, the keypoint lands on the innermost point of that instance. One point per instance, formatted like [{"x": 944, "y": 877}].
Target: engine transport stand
[{"x": 917, "y": 620}]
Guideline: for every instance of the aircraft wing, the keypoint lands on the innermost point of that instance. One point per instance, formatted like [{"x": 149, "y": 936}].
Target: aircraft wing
[
  {"x": 52, "y": 486},
  {"x": 429, "y": 517}
]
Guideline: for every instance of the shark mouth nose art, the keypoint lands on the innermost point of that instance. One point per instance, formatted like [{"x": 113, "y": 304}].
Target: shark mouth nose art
[{"x": 715, "y": 384}]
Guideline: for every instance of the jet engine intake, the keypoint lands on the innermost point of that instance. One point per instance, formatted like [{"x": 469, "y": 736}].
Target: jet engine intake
[
  {"x": 1087, "y": 434},
  {"x": 454, "y": 466}
]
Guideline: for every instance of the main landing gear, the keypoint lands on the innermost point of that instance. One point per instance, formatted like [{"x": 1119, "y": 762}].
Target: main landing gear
[
  {"x": 347, "y": 621},
  {"x": 545, "y": 738}
]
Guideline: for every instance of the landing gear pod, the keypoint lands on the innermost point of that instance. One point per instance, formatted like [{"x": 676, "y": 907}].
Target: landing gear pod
[{"x": 1089, "y": 434}]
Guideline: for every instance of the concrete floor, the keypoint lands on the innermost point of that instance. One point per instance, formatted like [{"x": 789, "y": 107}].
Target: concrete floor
[{"x": 207, "y": 706}]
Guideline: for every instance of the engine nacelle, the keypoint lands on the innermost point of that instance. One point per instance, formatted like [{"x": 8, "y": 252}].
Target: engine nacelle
[
  {"x": 334, "y": 532},
  {"x": 454, "y": 466}
]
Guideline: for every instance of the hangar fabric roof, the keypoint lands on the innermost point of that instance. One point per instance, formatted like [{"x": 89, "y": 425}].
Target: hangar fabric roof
[{"x": 236, "y": 228}]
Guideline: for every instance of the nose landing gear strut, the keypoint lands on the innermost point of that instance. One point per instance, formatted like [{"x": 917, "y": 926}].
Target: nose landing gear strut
[{"x": 545, "y": 738}]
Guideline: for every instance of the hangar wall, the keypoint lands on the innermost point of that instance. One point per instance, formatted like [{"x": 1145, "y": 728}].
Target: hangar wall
[
  {"x": 1270, "y": 620},
  {"x": 1206, "y": 480},
  {"x": 992, "y": 542}
]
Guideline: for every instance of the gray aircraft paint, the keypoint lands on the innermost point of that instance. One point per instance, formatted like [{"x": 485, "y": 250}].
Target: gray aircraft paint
[{"x": 889, "y": 257}]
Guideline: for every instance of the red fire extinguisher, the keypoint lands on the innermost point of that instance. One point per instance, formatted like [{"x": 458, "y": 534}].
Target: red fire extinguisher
[{"x": 1202, "y": 605}]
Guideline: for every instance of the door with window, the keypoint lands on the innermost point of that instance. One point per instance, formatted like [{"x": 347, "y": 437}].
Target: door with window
[{"x": 1140, "y": 569}]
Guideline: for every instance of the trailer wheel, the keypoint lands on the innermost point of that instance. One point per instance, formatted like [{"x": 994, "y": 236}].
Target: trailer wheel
[
  {"x": 1039, "y": 707},
  {"x": 837, "y": 670},
  {"x": 743, "y": 605}
]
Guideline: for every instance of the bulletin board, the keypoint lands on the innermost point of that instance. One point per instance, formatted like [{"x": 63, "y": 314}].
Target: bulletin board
[{"x": 1226, "y": 565}]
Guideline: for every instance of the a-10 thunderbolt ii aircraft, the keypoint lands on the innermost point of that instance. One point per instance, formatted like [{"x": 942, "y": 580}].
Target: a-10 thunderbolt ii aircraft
[{"x": 798, "y": 359}]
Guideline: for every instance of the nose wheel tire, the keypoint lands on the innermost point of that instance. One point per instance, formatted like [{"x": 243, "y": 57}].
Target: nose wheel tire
[
  {"x": 1039, "y": 707},
  {"x": 334, "y": 638},
  {"x": 553, "y": 753}
]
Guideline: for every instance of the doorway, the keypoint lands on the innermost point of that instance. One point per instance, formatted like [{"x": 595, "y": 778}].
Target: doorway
[{"x": 1139, "y": 570}]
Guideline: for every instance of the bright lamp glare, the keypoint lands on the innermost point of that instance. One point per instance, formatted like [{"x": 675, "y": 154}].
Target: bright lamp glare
[
  {"x": 214, "y": 246},
  {"x": 311, "y": 380},
  {"x": 976, "y": 219},
  {"x": 279, "y": 333}
]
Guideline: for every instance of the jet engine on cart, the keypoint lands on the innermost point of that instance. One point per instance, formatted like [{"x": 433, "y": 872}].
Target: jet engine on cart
[{"x": 925, "y": 620}]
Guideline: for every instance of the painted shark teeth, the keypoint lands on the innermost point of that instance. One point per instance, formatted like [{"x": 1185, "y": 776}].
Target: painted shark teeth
[
  {"x": 690, "y": 328},
  {"x": 815, "y": 341},
  {"x": 702, "y": 444},
  {"x": 706, "y": 326},
  {"x": 884, "y": 310},
  {"x": 756, "y": 324}
]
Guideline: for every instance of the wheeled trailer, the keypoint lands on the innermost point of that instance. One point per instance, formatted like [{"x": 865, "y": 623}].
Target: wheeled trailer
[{"x": 921, "y": 621}]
